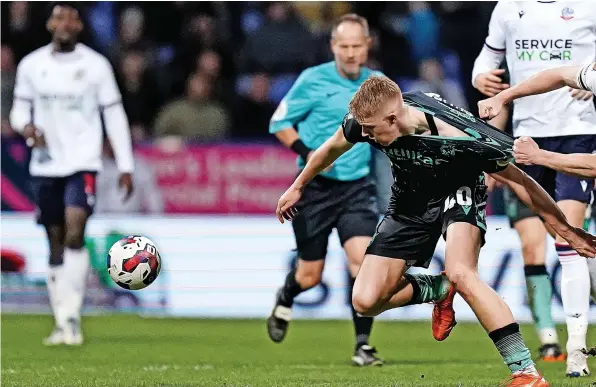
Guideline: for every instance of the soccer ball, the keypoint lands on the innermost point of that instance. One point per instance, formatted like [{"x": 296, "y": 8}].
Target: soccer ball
[{"x": 134, "y": 262}]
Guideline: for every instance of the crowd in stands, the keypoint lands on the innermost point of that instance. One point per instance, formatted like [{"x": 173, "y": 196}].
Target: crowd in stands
[{"x": 215, "y": 71}]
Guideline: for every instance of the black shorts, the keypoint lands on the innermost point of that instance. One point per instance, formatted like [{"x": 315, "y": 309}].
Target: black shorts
[
  {"x": 348, "y": 206},
  {"x": 558, "y": 185},
  {"x": 53, "y": 194},
  {"x": 414, "y": 238}
]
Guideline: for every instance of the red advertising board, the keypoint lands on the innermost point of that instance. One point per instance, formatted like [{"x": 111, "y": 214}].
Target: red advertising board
[{"x": 221, "y": 179}]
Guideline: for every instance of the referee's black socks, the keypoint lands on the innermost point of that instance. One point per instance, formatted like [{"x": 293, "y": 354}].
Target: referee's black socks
[
  {"x": 290, "y": 290},
  {"x": 362, "y": 325}
]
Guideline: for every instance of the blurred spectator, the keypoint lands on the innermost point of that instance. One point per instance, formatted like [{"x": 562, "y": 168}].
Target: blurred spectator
[
  {"x": 255, "y": 110},
  {"x": 146, "y": 197},
  {"x": 195, "y": 117},
  {"x": 130, "y": 35},
  {"x": 140, "y": 94},
  {"x": 209, "y": 63},
  {"x": 8, "y": 71},
  {"x": 21, "y": 29},
  {"x": 200, "y": 35},
  {"x": 432, "y": 80},
  {"x": 282, "y": 44}
]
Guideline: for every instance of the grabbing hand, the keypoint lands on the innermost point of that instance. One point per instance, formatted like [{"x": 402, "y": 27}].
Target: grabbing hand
[
  {"x": 490, "y": 83},
  {"x": 287, "y": 201},
  {"x": 581, "y": 95},
  {"x": 490, "y": 108},
  {"x": 582, "y": 242},
  {"x": 125, "y": 183},
  {"x": 525, "y": 150}
]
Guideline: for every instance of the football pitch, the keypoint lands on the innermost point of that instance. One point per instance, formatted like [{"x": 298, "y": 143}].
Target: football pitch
[{"x": 135, "y": 351}]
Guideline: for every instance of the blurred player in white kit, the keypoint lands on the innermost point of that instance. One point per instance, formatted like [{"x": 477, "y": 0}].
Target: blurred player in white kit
[
  {"x": 62, "y": 90},
  {"x": 533, "y": 37}
]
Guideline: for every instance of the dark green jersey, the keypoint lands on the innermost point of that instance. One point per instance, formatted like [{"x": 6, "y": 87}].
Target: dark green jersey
[{"x": 427, "y": 168}]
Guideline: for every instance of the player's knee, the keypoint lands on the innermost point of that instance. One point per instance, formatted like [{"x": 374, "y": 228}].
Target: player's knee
[
  {"x": 364, "y": 303},
  {"x": 74, "y": 240},
  {"x": 461, "y": 277},
  {"x": 531, "y": 255},
  {"x": 308, "y": 278}
]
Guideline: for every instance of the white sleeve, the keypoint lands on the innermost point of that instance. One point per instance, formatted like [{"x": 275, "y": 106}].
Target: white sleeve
[
  {"x": 497, "y": 34},
  {"x": 20, "y": 114},
  {"x": 493, "y": 52},
  {"x": 108, "y": 93},
  {"x": 586, "y": 77},
  {"x": 115, "y": 120}
]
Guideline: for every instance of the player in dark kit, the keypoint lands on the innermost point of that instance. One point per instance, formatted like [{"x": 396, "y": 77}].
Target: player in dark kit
[{"x": 438, "y": 154}]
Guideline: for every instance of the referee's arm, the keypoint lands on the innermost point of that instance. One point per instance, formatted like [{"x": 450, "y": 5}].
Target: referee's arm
[{"x": 294, "y": 107}]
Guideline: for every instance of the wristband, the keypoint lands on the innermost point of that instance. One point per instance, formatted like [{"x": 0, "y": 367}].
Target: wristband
[{"x": 300, "y": 149}]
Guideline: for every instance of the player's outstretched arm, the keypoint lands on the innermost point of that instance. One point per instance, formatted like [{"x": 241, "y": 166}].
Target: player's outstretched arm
[
  {"x": 535, "y": 197},
  {"x": 320, "y": 159},
  {"x": 527, "y": 152},
  {"x": 543, "y": 82}
]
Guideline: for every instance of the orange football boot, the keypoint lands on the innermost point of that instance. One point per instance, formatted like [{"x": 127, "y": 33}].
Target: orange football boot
[
  {"x": 529, "y": 379},
  {"x": 443, "y": 320}
]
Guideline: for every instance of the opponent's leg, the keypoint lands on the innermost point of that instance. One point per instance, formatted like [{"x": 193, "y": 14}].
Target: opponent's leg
[
  {"x": 573, "y": 195},
  {"x": 461, "y": 259},
  {"x": 364, "y": 354},
  {"x": 76, "y": 268},
  {"x": 575, "y": 292},
  {"x": 532, "y": 234},
  {"x": 48, "y": 194},
  {"x": 79, "y": 199},
  {"x": 56, "y": 294}
]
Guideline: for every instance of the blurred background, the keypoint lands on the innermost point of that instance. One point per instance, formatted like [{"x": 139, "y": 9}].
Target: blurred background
[{"x": 199, "y": 83}]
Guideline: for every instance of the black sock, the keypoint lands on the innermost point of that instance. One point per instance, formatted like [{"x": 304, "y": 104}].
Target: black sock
[
  {"x": 290, "y": 290},
  {"x": 362, "y": 325}
]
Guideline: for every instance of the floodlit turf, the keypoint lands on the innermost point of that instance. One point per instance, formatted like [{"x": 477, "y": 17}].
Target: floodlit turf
[{"x": 134, "y": 351}]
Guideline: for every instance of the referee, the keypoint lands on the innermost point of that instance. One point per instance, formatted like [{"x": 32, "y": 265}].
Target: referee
[{"x": 342, "y": 197}]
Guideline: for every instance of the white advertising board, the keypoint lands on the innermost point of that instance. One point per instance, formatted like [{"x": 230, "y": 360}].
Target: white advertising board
[{"x": 232, "y": 266}]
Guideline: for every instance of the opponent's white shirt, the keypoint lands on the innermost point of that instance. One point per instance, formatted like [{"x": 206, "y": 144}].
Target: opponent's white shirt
[
  {"x": 64, "y": 95},
  {"x": 537, "y": 36},
  {"x": 586, "y": 77}
]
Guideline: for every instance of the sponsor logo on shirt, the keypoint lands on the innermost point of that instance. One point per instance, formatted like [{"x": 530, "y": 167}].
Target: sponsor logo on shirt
[{"x": 528, "y": 50}]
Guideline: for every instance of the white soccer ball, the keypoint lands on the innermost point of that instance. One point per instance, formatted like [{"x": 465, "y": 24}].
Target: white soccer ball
[{"x": 134, "y": 262}]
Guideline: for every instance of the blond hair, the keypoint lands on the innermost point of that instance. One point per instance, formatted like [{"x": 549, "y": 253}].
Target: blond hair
[{"x": 371, "y": 95}]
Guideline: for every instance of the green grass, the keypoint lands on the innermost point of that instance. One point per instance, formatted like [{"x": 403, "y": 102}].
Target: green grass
[{"x": 133, "y": 351}]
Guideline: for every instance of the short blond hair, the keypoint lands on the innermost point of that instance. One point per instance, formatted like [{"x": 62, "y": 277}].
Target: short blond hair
[{"x": 371, "y": 95}]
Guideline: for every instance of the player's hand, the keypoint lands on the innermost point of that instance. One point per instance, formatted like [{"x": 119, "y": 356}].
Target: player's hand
[
  {"x": 328, "y": 169},
  {"x": 125, "y": 183},
  {"x": 525, "y": 150},
  {"x": 33, "y": 137},
  {"x": 490, "y": 108},
  {"x": 287, "y": 201},
  {"x": 581, "y": 241},
  {"x": 581, "y": 95},
  {"x": 490, "y": 83}
]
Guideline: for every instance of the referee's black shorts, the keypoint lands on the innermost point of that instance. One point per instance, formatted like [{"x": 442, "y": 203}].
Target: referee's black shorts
[{"x": 348, "y": 206}]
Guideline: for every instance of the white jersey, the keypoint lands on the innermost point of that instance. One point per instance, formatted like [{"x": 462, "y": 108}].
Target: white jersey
[
  {"x": 64, "y": 95},
  {"x": 540, "y": 35},
  {"x": 586, "y": 77}
]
